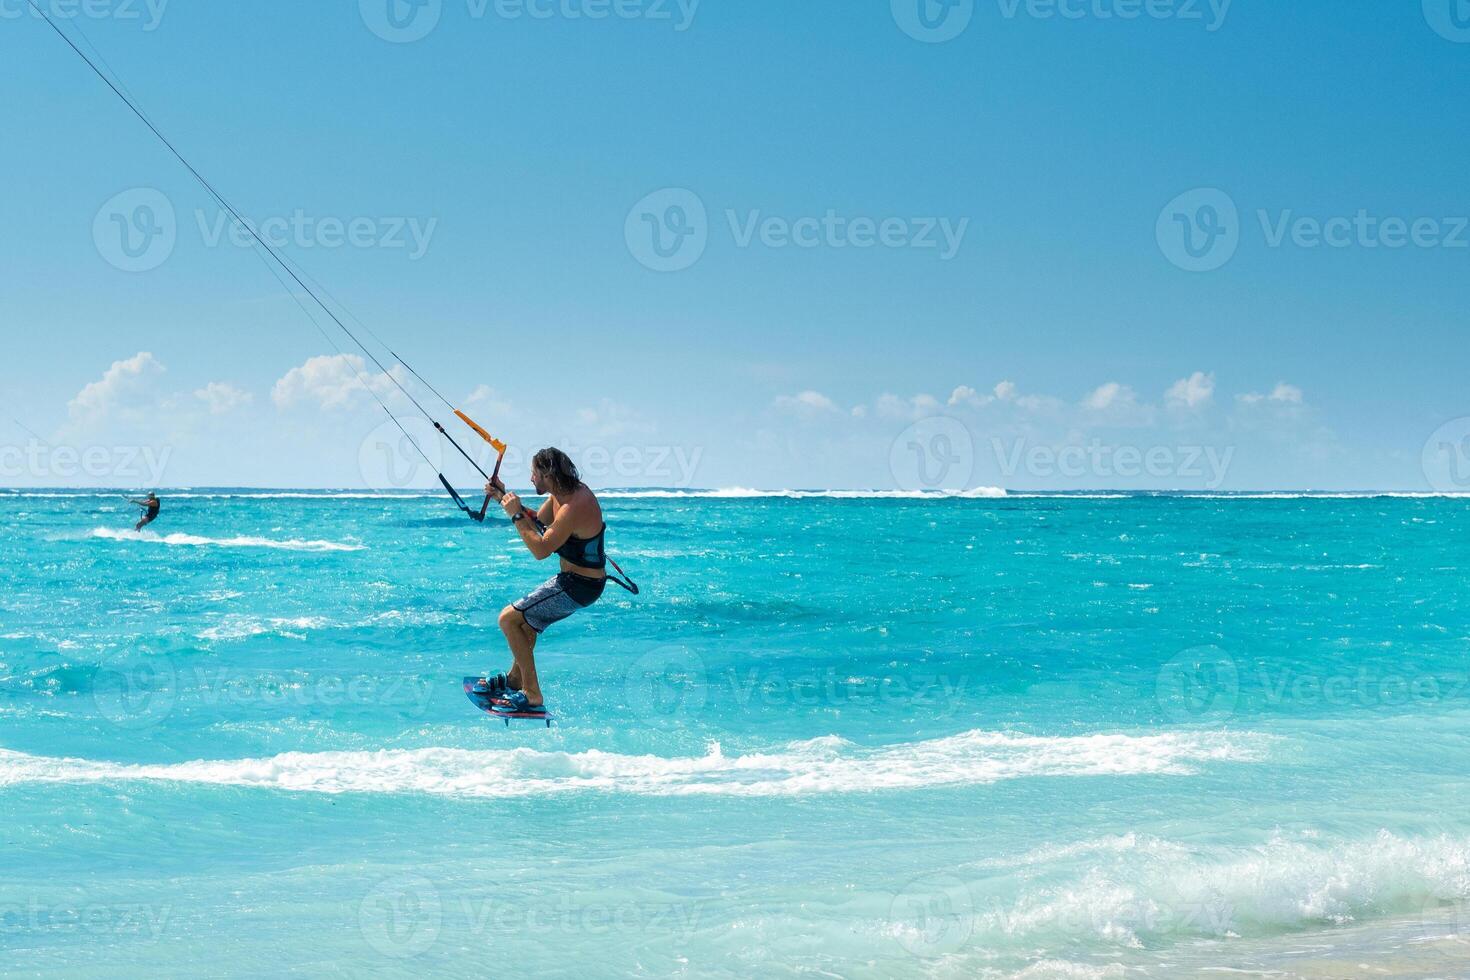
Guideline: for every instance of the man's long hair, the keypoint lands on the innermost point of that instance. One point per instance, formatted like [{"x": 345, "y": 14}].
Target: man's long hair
[{"x": 558, "y": 469}]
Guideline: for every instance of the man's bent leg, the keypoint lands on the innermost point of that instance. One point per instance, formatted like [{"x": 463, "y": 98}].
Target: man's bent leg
[{"x": 522, "y": 641}]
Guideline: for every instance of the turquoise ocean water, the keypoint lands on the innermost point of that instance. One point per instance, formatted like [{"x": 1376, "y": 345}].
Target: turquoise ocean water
[{"x": 1075, "y": 736}]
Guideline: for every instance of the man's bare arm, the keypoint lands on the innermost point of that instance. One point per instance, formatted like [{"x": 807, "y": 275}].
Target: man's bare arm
[{"x": 543, "y": 544}]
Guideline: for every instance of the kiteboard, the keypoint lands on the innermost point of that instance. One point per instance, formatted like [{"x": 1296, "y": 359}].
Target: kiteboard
[{"x": 486, "y": 703}]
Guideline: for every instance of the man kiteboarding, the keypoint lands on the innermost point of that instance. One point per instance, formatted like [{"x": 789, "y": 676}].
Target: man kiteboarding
[
  {"x": 569, "y": 525},
  {"x": 150, "y": 505}
]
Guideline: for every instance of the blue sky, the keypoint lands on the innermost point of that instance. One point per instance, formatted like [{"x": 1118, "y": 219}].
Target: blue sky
[{"x": 894, "y": 263}]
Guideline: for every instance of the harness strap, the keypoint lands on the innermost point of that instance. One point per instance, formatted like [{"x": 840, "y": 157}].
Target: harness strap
[{"x": 629, "y": 584}]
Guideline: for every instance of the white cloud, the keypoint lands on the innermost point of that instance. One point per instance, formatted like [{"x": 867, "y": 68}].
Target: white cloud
[
  {"x": 487, "y": 398},
  {"x": 1288, "y": 394},
  {"x": 1115, "y": 404},
  {"x": 609, "y": 419},
  {"x": 331, "y": 381},
  {"x": 223, "y": 397},
  {"x": 1191, "y": 393},
  {"x": 1110, "y": 395},
  {"x": 965, "y": 395},
  {"x": 908, "y": 409},
  {"x": 125, "y": 385},
  {"x": 806, "y": 403},
  {"x": 1282, "y": 394},
  {"x": 1009, "y": 393}
]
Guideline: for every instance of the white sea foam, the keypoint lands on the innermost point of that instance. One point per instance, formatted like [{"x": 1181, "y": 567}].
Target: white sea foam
[
  {"x": 818, "y": 766},
  {"x": 1052, "y": 969},
  {"x": 195, "y": 541},
  {"x": 1129, "y": 889},
  {"x": 235, "y": 626}
]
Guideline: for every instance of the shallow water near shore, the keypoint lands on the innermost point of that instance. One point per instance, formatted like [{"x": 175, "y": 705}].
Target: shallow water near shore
[{"x": 857, "y": 735}]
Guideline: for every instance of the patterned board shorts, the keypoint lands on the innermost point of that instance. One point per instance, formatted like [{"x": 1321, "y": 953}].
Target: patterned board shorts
[{"x": 558, "y": 598}]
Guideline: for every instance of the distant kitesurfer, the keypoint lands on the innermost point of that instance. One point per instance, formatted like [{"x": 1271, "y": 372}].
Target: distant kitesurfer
[
  {"x": 570, "y": 525},
  {"x": 150, "y": 505}
]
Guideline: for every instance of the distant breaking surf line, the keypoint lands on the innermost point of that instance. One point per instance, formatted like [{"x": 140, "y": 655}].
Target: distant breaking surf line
[
  {"x": 817, "y": 767},
  {"x": 742, "y": 493},
  {"x": 194, "y": 541}
]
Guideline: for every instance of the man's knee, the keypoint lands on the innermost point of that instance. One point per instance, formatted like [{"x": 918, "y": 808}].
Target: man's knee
[{"x": 511, "y": 619}]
